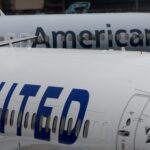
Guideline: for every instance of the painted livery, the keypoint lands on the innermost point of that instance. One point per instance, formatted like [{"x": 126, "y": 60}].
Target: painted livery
[
  {"x": 64, "y": 99},
  {"x": 88, "y": 31}
]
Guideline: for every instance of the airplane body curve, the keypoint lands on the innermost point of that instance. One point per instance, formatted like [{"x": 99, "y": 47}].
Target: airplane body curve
[
  {"x": 88, "y": 31},
  {"x": 70, "y": 99},
  {"x": 75, "y": 99}
]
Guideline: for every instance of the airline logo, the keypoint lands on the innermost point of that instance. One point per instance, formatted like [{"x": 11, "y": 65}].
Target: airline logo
[
  {"x": 94, "y": 39},
  {"x": 27, "y": 91}
]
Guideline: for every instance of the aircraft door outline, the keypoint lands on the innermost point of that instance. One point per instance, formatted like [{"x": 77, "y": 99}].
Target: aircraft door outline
[
  {"x": 142, "y": 136},
  {"x": 129, "y": 121}
]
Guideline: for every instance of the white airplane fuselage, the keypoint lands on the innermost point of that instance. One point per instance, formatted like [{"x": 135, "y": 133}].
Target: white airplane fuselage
[
  {"x": 75, "y": 99},
  {"x": 88, "y": 31}
]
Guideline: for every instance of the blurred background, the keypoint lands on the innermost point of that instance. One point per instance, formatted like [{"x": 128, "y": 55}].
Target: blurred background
[{"x": 73, "y": 6}]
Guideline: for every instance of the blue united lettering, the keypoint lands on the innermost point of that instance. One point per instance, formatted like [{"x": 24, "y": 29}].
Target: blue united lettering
[{"x": 28, "y": 91}]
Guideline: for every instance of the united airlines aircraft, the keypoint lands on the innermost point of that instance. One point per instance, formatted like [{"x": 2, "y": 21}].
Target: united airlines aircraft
[
  {"x": 88, "y": 31},
  {"x": 60, "y": 99}
]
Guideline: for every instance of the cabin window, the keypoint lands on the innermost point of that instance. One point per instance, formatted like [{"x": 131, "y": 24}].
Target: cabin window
[
  {"x": 128, "y": 122},
  {"x": 12, "y": 118},
  {"x": 54, "y": 127},
  {"x": 148, "y": 35},
  {"x": 78, "y": 127},
  {"x": 62, "y": 38},
  {"x": 87, "y": 37},
  {"x": 86, "y": 128},
  {"x": 141, "y": 36},
  {"x": 78, "y": 38},
  {"x": 2, "y": 38},
  {"x": 0, "y": 112},
  {"x": 118, "y": 37},
  {"x": 6, "y": 117},
  {"x": 26, "y": 120},
  {"x": 126, "y": 36},
  {"x": 93, "y": 37},
  {"x": 19, "y": 119},
  {"x": 69, "y": 127},
  {"x": 41, "y": 122},
  {"x": 62, "y": 125},
  {"x": 70, "y": 38},
  {"x": 47, "y": 123},
  {"x": 33, "y": 121},
  {"x": 102, "y": 37},
  {"x": 47, "y": 39},
  {"x": 110, "y": 37},
  {"x": 134, "y": 36}
]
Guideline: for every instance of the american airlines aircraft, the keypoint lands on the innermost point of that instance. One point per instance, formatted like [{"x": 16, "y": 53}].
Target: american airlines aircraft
[
  {"x": 89, "y": 31},
  {"x": 60, "y": 99}
]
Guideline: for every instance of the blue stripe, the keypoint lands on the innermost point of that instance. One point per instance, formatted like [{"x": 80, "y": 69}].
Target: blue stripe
[
  {"x": 2, "y": 85},
  {"x": 82, "y": 97},
  {"x": 51, "y": 92},
  {"x": 27, "y": 91},
  {"x": 6, "y": 103}
]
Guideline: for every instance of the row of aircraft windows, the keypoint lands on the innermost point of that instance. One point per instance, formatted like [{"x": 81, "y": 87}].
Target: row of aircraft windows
[
  {"x": 47, "y": 124},
  {"x": 102, "y": 36}
]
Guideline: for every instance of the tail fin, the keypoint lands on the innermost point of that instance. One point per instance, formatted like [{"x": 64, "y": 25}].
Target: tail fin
[{"x": 1, "y": 13}]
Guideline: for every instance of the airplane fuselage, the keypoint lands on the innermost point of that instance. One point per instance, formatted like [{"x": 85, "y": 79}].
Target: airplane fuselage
[
  {"x": 76, "y": 99},
  {"x": 88, "y": 31}
]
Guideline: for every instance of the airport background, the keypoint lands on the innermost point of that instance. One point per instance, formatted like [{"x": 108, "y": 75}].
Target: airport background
[{"x": 59, "y": 6}]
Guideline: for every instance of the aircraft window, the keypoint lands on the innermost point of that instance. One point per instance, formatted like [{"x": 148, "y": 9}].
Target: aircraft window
[
  {"x": 102, "y": 36},
  {"x": 93, "y": 37},
  {"x": 33, "y": 121},
  {"x": 54, "y": 127},
  {"x": 118, "y": 36},
  {"x": 19, "y": 119},
  {"x": 141, "y": 36},
  {"x": 78, "y": 127},
  {"x": 41, "y": 122},
  {"x": 69, "y": 127},
  {"x": 48, "y": 123},
  {"x": 110, "y": 37},
  {"x": 148, "y": 35},
  {"x": 2, "y": 38},
  {"x": 128, "y": 122},
  {"x": 47, "y": 39},
  {"x": 87, "y": 37},
  {"x": 6, "y": 117},
  {"x": 134, "y": 36},
  {"x": 39, "y": 39},
  {"x": 62, "y": 125},
  {"x": 126, "y": 36},
  {"x": 62, "y": 38},
  {"x": 0, "y": 112},
  {"x": 70, "y": 38},
  {"x": 26, "y": 120},
  {"x": 86, "y": 129},
  {"x": 78, "y": 37},
  {"x": 12, "y": 118}
]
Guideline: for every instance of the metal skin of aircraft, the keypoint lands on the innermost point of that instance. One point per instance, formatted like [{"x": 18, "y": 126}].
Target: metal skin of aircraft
[
  {"x": 66, "y": 99},
  {"x": 88, "y": 31}
]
